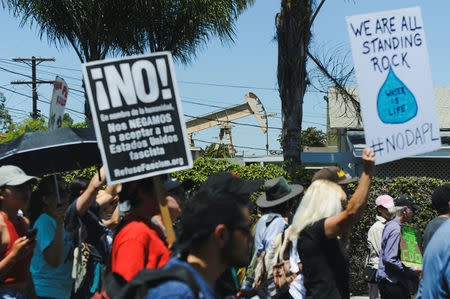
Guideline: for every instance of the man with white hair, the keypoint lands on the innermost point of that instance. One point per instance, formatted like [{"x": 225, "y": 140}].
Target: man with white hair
[
  {"x": 384, "y": 205},
  {"x": 392, "y": 275}
]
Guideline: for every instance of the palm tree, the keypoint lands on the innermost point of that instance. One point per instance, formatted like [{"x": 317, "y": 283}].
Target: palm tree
[
  {"x": 293, "y": 25},
  {"x": 97, "y": 28}
]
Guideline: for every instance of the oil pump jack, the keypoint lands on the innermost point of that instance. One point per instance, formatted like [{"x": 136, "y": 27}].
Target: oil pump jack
[{"x": 223, "y": 118}]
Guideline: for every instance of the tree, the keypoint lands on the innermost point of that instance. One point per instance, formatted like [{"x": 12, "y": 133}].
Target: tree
[
  {"x": 310, "y": 137},
  {"x": 17, "y": 129},
  {"x": 222, "y": 152},
  {"x": 5, "y": 118},
  {"x": 313, "y": 137},
  {"x": 34, "y": 125},
  {"x": 293, "y": 27},
  {"x": 293, "y": 24},
  {"x": 67, "y": 120},
  {"x": 97, "y": 28}
]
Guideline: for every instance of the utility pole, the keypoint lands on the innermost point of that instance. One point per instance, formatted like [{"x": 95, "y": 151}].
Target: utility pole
[{"x": 34, "y": 62}]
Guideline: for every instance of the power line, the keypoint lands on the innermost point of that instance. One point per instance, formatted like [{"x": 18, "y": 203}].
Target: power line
[
  {"x": 63, "y": 68},
  {"x": 227, "y": 85},
  {"x": 7, "y": 61},
  {"x": 16, "y": 73},
  {"x": 303, "y": 121},
  {"x": 232, "y": 122},
  {"x": 310, "y": 114},
  {"x": 13, "y": 72},
  {"x": 39, "y": 100},
  {"x": 238, "y": 146}
]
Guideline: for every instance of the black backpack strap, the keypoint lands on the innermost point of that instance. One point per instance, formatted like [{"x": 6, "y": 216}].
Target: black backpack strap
[
  {"x": 150, "y": 278},
  {"x": 113, "y": 284}
]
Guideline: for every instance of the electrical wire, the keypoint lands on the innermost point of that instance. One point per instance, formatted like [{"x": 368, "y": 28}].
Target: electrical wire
[
  {"x": 231, "y": 122},
  {"x": 237, "y": 146},
  {"x": 214, "y": 106},
  {"x": 39, "y": 100}
]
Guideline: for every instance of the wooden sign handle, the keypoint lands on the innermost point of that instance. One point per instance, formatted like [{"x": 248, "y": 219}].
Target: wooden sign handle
[{"x": 167, "y": 221}]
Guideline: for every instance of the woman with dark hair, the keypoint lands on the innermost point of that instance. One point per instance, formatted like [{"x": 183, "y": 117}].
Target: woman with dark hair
[
  {"x": 51, "y": 266},
  {"x": 138, "y": 243}
]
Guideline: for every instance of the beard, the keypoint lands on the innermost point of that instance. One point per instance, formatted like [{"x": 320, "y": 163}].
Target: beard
[{"x": 234, "y": 258}]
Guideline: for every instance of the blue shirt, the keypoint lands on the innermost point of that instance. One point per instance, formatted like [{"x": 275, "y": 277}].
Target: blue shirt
[
  {"x": 49, "y": 281},
  {"x": 390, "y": 266},
  {"x": 177, "y": 289},
  {"x": 436, "y": 265},
  {"x": 267, "y": 228}
]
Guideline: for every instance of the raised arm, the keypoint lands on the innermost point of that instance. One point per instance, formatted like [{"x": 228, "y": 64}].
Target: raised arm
[
  {"x": 107, "y": 196},
  {"x": 87, "y": 198},
  {"x": 342, "y": 222}
]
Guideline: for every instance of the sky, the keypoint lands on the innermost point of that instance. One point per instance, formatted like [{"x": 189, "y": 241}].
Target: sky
[{"x": 221, "y": 74}]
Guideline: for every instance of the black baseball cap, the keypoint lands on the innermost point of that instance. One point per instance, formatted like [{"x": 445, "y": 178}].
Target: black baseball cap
[
  {"x": 171, "y": 183},
  {"x": 406, "y": 200}
]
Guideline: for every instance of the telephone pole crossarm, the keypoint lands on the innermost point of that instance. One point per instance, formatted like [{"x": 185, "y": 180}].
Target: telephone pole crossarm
[{"x": 34, "y": 62}]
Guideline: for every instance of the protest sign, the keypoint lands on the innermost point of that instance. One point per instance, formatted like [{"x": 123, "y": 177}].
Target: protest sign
[
  {"x": 137, "y": 116},
  {"x": 394, "y": 83},
  {"x": 410, "y": 255},
  {"x": 58, "y": 103}
]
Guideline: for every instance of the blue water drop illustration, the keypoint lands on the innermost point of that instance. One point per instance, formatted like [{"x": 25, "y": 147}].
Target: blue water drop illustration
[{"x": 395, "y": 104}]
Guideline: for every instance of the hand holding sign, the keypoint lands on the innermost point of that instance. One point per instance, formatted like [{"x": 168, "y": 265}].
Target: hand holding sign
[{"x": 368, "y": 158}]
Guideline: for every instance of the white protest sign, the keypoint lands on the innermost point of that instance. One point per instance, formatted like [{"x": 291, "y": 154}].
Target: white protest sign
[
  {"x": 394, "y": 83},
  {"x": 58, "y": 103},
  {"x": 137, "y": 116}
]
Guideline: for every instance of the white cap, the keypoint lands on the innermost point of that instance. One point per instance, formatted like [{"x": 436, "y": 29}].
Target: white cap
[{"x": 11, "y": 175}]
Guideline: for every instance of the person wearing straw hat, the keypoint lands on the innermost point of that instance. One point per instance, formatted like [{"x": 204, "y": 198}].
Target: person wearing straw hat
[{"x": 278, "y": 201}]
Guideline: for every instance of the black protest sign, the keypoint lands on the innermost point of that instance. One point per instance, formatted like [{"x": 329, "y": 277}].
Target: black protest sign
[{"x": 137, "y": 116}]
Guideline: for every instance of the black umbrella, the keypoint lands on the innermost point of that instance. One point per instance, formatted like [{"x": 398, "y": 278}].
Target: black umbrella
[{"x": 52, "y": 151}]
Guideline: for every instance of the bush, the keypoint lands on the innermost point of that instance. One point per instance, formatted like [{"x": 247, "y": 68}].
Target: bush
[
  {"x": 419, "y": 188},
  {"x": 204, "y": 167}
]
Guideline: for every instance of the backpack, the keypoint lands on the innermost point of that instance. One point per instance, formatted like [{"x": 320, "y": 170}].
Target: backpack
[
  {"x": 278, "y": 275},
  {"x": 255, "y": 269},
  {"x": 118, "y": 288}
]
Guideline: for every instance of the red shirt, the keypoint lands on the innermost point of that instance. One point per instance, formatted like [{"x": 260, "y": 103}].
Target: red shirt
[
  {"x": 20, "y": 272},
  {"x": 138, "y": 245}
]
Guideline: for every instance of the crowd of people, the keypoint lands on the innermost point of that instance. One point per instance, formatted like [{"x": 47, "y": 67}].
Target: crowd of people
[{"x": 85, "y": 240}]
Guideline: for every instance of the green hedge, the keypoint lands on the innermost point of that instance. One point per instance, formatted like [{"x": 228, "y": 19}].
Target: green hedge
[
  {"x": 204, "y": 167},
  {"x": 420, "y": 188}
]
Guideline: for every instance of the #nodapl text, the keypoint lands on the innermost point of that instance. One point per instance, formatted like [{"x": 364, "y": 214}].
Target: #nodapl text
[{"x": 405, "y": 139}]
